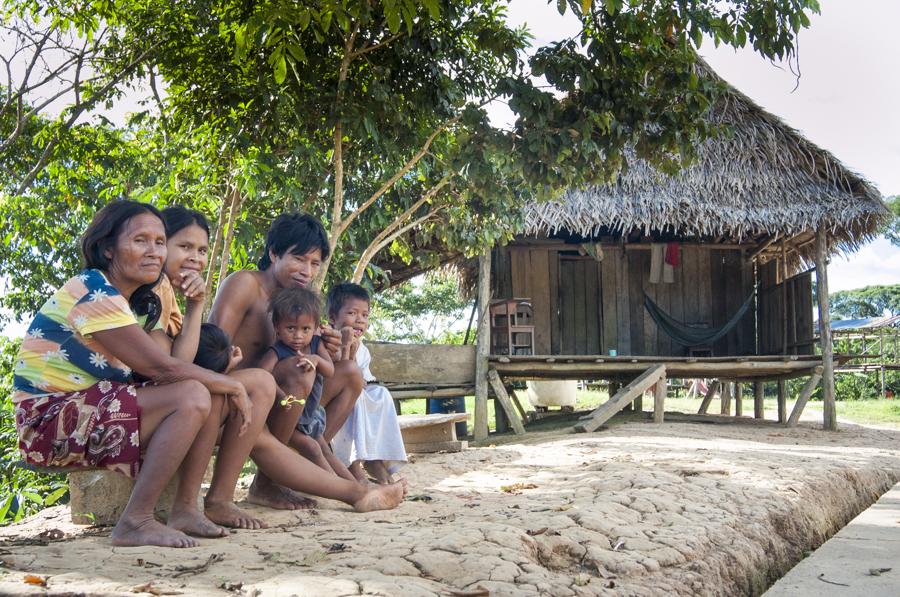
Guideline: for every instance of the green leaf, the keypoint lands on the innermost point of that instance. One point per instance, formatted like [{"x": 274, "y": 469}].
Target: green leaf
[
  {"x": 586, "y": 6},
  {"x": 280, "y": 69},
  {"x": 561, "y": 6},
  {"x": 55, "y": 496}
]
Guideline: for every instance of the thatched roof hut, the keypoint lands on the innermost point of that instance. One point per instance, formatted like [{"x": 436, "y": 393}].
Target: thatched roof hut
[
  {"x": 743, "y": 219},
  {"x": 765, "y": 181}
]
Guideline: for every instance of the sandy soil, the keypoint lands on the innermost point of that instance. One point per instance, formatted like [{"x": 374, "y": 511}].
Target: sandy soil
[{"x": 638, "y": 509}]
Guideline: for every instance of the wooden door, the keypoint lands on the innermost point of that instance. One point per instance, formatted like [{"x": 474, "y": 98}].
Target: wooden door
[{"x": 579, "y": 304}]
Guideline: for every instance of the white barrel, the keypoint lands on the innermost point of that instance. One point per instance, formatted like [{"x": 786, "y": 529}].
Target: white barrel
[{"x": 552, "y": 393}]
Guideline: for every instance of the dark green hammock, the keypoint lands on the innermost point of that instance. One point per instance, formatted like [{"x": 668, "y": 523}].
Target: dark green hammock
[{"x": 690, "y": 336}]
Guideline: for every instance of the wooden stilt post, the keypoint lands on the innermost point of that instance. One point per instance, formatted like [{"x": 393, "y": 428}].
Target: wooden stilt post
[
  {"x": 759, "y": 394},
  {"x": 830, "y": 417},
  {"x": 738, "y": 399},
  {"x": 726, "y": 398},
  {"x": 659, "y": 400},
  {"x": 638, "y": 404},
  {"x": 782, "y": 402},
  {"x": 483, "y": 340}
]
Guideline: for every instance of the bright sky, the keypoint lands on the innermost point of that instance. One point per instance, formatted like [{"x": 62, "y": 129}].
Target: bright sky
[{"x": 846, "y": 101}]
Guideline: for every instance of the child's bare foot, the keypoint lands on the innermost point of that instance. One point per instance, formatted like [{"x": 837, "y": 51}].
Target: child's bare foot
[
  {"x": 229, "y": 515},
  {"x": 134, "y": 533},
  {"x": 381, "y": 497},
  {"x": 277, "y": 497},
  {"x": 191, "y": 521},
  {"x": 379, "y": 471}
]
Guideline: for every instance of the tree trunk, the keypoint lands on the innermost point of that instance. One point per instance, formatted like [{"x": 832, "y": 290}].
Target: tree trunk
[{"x": 236, "y": 202}]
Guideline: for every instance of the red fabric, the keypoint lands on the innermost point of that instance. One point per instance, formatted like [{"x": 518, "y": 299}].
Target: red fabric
[
  {"x": 672, "y": 253},
  {"x": 94, "y": 428}
]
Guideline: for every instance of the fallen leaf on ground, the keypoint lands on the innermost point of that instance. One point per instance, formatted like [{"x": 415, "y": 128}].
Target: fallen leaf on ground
[
  {"x": 313, "y": 558},
  {"x": 582, "y": 579},
  {"x": 516, "y": 488},
  {"x": 149, "y": 588},
  {"x": 338, "y": 547},
  {"x": 52, "y": 535},
  {"x": 233, "y": 587},
  {"x": 34, "y": 579},
  {"x": 878, "y": 571},
  {"x": 419, "y": 497},
  {"x": 539, "y": 531},
  {"x": 478, "y": 591},
  {"x": 563, "y": 508}
]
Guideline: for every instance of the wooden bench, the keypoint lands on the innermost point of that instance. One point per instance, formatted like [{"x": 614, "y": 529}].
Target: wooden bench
[{"x": 423, "y": 370}]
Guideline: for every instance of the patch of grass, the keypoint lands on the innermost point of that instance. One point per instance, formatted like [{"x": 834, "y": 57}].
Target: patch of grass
[{"x": 872, "y": 412}]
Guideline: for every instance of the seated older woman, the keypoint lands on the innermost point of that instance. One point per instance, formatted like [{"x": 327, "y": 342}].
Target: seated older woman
[{"x": 76, "y": 403}]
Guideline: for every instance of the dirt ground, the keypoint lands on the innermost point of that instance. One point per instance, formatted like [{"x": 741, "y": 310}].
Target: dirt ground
[{"x": 637, "y": 509}]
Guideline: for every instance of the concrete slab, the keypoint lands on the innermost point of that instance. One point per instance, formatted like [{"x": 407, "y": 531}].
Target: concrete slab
[{"x": 853, "y": 562}]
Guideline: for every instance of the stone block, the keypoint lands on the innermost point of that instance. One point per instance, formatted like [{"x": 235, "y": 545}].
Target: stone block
[{"x": 98, "y": 497}]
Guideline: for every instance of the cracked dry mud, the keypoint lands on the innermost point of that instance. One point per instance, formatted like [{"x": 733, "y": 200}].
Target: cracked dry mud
[{"x": 640, "y": 509}]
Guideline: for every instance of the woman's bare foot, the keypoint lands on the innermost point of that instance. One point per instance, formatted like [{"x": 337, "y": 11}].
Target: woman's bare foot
[
  {"x": 277, "y": 497},
  {"x": 191, "y": 521},
  {"x": 381, "y": 497},
  {"x": 229, "y": 515},
  {"x": 134, "y": 533}
]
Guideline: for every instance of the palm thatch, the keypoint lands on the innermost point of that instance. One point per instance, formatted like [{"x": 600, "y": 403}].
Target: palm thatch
[{"x": 764, "y": 181}]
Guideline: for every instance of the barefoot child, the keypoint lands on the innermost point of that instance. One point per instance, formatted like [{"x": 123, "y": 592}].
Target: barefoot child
[
  {"x": 371, "y": 436},
  {"x": 296, "y": 313}
]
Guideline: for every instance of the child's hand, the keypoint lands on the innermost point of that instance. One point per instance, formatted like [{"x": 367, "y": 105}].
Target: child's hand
[
  {"x": 193, "y": 287},
  {"x": 354, "y": 348},
  {"x": 306, "y": 362},
  {"x": 332, "y": 340},
  {"x": 347, "y": 338},
  {"x": 236, "y": 357}
]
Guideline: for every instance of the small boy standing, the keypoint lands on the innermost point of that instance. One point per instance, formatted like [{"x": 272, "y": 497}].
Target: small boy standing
[{"x": 371, "y": 436}]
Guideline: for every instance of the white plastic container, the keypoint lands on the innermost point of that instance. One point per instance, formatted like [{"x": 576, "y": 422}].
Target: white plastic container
[{"x": 552, "y": 393}]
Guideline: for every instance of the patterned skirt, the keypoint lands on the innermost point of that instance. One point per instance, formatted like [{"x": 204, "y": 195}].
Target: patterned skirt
[{"x": 98, "y": 427}]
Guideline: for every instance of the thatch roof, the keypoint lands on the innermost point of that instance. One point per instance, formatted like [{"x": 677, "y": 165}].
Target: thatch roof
[{"x": 764, "y": 181}]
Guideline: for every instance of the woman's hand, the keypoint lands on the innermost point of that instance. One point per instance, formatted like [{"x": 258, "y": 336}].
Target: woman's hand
[
  {"x": 193, "y": 287},
  {"x": 241, "y": 403}
]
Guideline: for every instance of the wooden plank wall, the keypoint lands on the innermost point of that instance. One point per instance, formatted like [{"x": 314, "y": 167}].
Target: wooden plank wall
[{"x": 582, "y": 306}]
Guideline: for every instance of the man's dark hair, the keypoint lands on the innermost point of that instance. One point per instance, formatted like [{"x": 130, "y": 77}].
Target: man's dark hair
[
  {"x": 341, "y": 293},
  {"x": 301, "y": 233},
  {"x": 177, "y": 218},
  {"x": 213, "y": 349},
  {"x": 102, "y": 234},
  {"x": 293, "y": 302}
]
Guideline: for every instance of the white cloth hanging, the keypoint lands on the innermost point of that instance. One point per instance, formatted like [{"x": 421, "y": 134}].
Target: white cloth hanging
[{"x": 371, "y": 432}]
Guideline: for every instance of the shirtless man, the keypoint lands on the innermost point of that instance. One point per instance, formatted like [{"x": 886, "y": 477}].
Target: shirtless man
[{"x": 295, "y": 247}]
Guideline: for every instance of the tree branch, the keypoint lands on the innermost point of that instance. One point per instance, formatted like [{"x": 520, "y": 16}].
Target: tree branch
[
  {"x": 372, "y": 250},
  {"x": 365, "y": 50},
  {"x": 76, "y": 113},
  {"x": 397, "y": 175}
]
